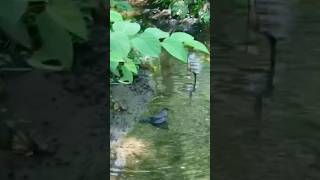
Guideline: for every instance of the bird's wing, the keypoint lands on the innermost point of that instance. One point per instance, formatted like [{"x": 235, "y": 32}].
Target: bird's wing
[{"x": 159, "y": 120}]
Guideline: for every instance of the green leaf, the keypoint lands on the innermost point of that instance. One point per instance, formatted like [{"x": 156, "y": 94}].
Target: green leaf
[
  {"x": 116, "y": 58},
  {"x": 12, "y": 10},
  {"x": 68, "y": 15},
  {"x": 131, "y": 66},
  {"x": 114, "y": 63},
  {"x": 119, "y": 44},
  {"x": 57, "y": 45},
  {"x": 16, "y": 31},
  {"x": 127, "y": 77},
  {"x": 126, "y": 27},
  {"x": 121, "y": 5},
  {"x": 181, "y": 37},
  {"x": 197, "y": 45},
  {"x": 175, "y": 48},
  {"x": 158, "y": 33},
  {"x": 147, "y": 44},
  {"x": 115, "y": 16},
  {"x": 114, "y": 67},
  {"x": 180, "y": 8}
]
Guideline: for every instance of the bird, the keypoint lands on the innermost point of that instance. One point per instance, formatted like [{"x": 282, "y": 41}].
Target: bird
[
  {"x": 194, "y": 66},
  {"x": 270, "y": 18},
  {"x": 158, "y": 120}
]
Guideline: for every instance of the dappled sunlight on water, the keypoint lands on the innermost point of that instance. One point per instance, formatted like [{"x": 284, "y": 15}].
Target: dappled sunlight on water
[{"x": 183, "y": 150}]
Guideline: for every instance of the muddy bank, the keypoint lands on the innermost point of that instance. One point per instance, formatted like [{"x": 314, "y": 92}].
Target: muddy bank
[
  {"x": 128, "y": 103},
  {"x": 63, "y": 115}
]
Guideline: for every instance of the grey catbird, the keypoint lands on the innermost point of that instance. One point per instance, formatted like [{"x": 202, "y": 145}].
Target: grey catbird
[
  {"x": 194, "y": 66},
  {"x": 158, "y": 120}
]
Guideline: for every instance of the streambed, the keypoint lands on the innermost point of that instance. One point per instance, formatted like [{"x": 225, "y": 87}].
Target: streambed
[{"x": 183, "y": 150}]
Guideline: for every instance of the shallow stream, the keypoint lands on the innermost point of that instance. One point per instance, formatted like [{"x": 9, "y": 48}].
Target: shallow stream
[{"x": 183, "y": 150}]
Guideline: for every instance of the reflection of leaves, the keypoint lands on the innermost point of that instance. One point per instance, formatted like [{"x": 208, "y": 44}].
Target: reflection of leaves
[{"x": 57, "y": 45}]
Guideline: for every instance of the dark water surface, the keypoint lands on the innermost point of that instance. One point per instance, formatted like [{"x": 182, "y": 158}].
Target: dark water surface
[{"x": 260, "y": 134}]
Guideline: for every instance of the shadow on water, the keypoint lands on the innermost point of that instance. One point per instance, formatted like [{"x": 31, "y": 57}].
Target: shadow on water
[{"x": 264, "y": 132}]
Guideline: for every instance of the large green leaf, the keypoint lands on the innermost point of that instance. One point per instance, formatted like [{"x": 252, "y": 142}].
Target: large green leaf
[
  {"x": 114, "y": 68},
  {"x": 181, "y": 37},
  {"x": 68, "y": 15},
  {"x": 116, "y": 58},
  {"x": 57, "y": 45},
  {"x": 158, "y": 33},
  {"x": 115, "y": 16},
  {"x": 175, "y": 48},
  {"x": 16, "y": 31},
  {"x": 126, "y": 27},
  {"x": 197, "y": 45},
  {"x": 147, "y": 44},
  {"x": 12, "y": 10},
  {"x": 127, "y": 77},
  {"x": 114, "y": 63},
  {"x": 119, "y": 44},
  {"x": 131, "y": 66}
]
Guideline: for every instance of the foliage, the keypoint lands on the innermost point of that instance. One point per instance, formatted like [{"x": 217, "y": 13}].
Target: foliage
[
  {"x": 120, "y": 5},
  {"x": 196, "y": 8},
  {"x": 127, "y": 42},
  {"x": 180, "y": 9},
  {"x": 46, "y": 28}
]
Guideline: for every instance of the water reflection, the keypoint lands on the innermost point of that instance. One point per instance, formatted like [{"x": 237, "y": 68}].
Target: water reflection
[
  {"x": 183, "y": 150},
  {"x": 265, "y": 130}
]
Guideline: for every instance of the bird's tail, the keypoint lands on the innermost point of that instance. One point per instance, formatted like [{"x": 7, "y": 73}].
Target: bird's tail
[{"x": 145, "y": 120}]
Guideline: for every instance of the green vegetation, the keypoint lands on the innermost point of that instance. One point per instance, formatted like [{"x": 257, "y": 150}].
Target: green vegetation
[
  {"x": 128, "y": 44},
  {"x": 46, "y": 29},
  {"x": 198, "y": 9},
  {"x": 120, "y": 5}
]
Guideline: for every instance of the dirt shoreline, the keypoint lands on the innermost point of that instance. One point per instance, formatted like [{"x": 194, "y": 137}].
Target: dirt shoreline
[{"x": 133, "y": 100}]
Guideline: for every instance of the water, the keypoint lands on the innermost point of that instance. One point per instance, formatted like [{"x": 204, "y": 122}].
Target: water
[
  {"x": 182, "y": 151},
  {"x": 262, "y": 133}
]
